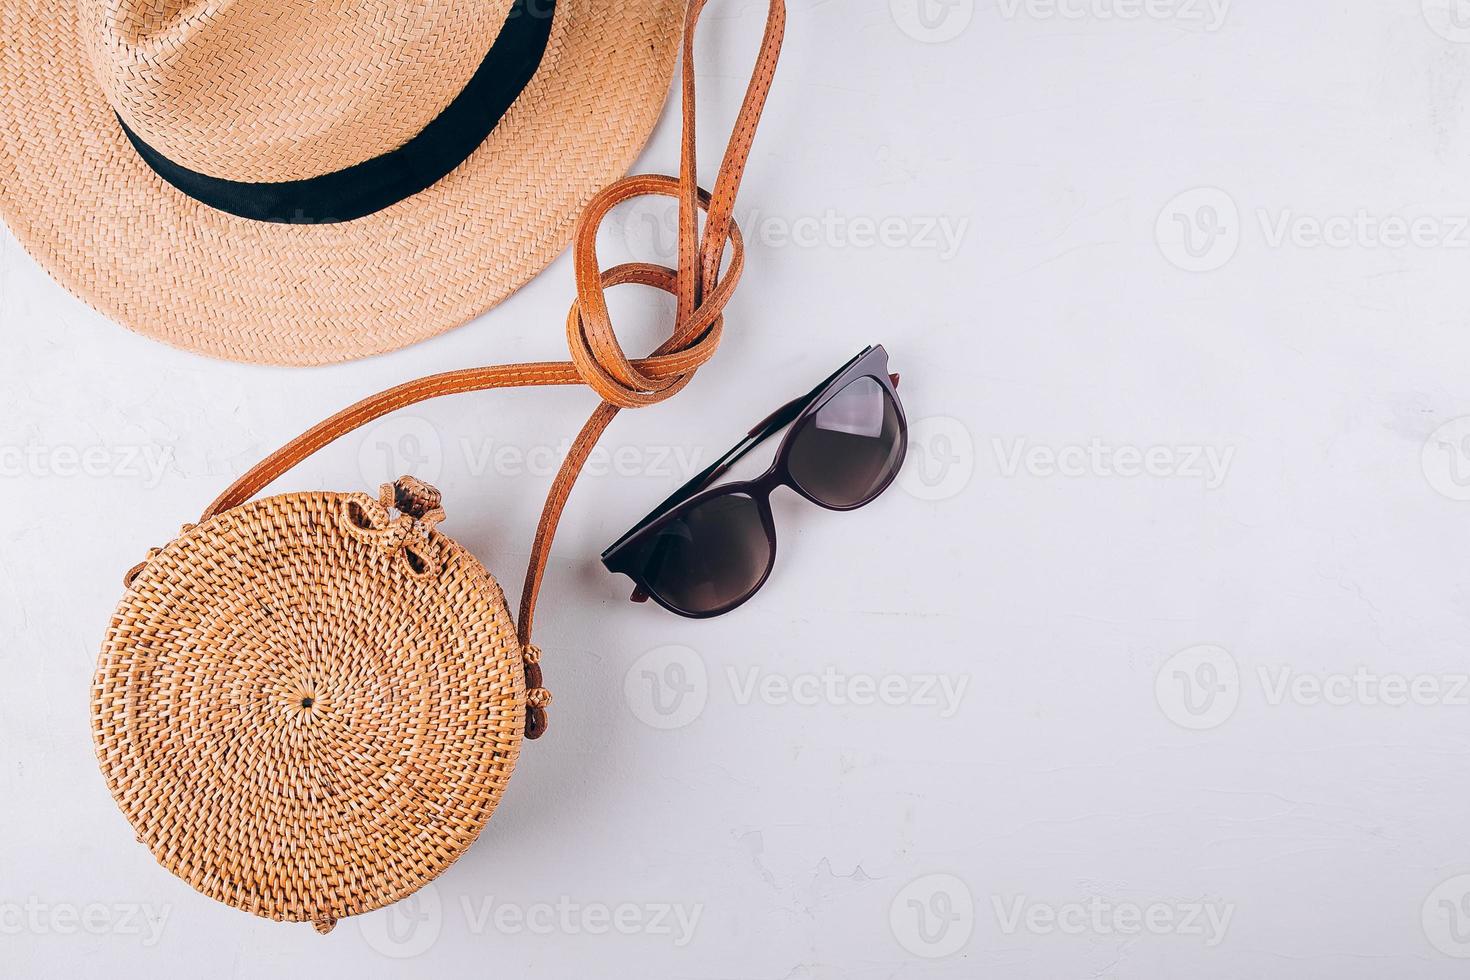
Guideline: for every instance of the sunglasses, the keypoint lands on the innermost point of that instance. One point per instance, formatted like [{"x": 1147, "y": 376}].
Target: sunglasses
[{"x": 707, "y": 549}]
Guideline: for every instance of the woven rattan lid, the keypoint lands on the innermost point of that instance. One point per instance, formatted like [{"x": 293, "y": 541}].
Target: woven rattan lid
[{"x": 307, "y": 707}]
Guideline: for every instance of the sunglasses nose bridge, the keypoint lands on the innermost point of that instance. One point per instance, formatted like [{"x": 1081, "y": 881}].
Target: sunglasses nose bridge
[{"x": 779, "y": 475}]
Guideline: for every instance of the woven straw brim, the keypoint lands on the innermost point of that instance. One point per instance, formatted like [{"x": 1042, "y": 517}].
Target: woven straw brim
[{"x": 76, "y": 195}]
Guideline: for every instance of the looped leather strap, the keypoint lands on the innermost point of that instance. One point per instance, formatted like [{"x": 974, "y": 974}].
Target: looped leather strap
[{"x": 699, "y": 285}]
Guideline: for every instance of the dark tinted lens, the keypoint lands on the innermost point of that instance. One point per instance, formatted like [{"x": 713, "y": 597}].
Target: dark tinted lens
[
  {"x": 708, "y": 557},
  {"x": 845, "y": 452}
]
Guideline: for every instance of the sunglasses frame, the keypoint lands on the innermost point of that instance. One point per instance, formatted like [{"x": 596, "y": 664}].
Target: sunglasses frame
[{"x": 620, "y": 556}]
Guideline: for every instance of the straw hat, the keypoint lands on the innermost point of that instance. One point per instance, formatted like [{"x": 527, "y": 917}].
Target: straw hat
[{"x": 309, "y": 181}]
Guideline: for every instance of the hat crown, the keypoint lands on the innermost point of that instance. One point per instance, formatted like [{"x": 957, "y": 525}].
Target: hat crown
[{"x": 280, "y": 90}]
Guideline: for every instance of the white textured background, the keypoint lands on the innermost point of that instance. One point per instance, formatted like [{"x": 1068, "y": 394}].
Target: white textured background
[{"x": 1204, "y": 721}]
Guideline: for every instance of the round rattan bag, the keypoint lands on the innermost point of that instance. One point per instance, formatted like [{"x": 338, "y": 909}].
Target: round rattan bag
[{"x": 308, "y": 706}]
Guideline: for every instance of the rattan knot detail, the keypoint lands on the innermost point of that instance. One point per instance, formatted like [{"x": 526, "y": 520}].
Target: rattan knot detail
[
  {"x": 298, "y": 723},
  {"x": 409, "y": 537},
  {"x": 413, "y": 497}
]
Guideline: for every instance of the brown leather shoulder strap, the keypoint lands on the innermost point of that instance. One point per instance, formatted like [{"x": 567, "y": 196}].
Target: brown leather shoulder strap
[{"x": 700, "y": 287}]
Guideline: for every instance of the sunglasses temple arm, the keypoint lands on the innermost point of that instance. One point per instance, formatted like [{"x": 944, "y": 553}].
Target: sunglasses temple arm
[
  {"x": 767, "y": 427},
  {"x": 787, "y": 414},
  {"x": 710, "y": 473},
  {"x": 777, "y": 421},
  {"x": 772, "y": 424},
  {"x": 763, "y": 430}
]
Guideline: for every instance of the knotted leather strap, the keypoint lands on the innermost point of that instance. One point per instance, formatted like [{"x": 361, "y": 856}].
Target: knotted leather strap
[{"x": 702, "y": 292}]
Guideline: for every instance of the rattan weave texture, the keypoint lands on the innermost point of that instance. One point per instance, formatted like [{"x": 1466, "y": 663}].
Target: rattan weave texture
[
  {"x": 307, "y": 707},
  {"x": 304, "y": 94}
]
